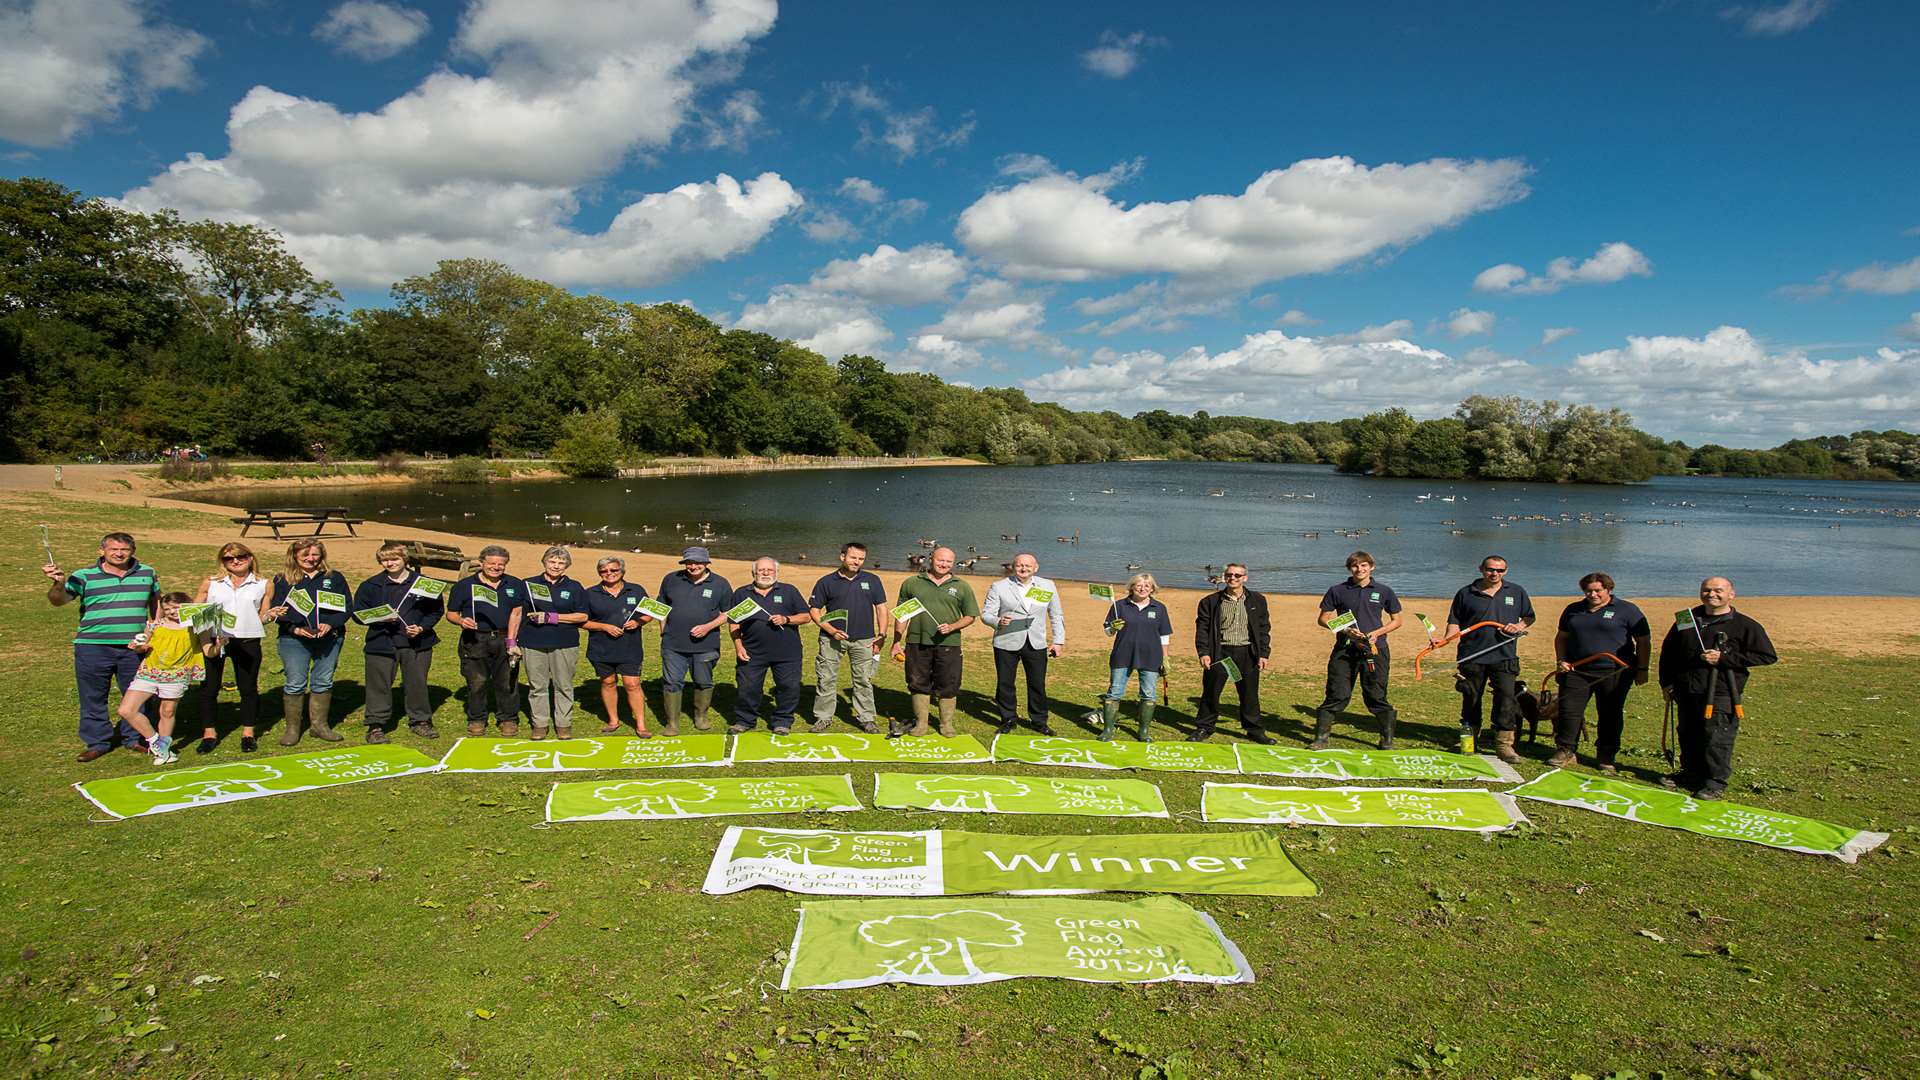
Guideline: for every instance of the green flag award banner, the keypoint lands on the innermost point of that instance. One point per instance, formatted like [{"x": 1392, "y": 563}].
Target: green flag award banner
[
  {"x": 1467, "y": 809},
  {"x": 977, "y": 794},
  {"x": 1093, "y": 754},
  {"x": 471, "y": 754},
  {"x": 205, "y": 785},
  {"x": 1679, "y": 810},
  {"x": 627, "y": 800},
  {"x": 842, "y": 944},
  {"x": 945, "y": 863},
  {"x": 931, "y": 749},
  {"x": 1372, "y": 764}
]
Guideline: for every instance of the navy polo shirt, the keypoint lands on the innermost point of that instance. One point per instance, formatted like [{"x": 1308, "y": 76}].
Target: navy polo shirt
[
  {"x": 856, "y": 595},
  {"x": 692, "y": 605},
  {"x": 313, "y": 585},
  {"x": 1367, "y": 602},
  {"x": 1137, "y": 646},
  {"x": 615, "y": 610},
  {"x": 1470, "y": 605},
  {"x": 387, "y": 636},
  {"x": 765, "y": 641},
  {"x": 512, "y": 593},
  {"x": 569, "y": 598},
  {"x": 1609, "y": 629}
]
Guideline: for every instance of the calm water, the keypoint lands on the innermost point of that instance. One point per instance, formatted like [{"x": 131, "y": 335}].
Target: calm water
[{"x": 1173, "y": 518}]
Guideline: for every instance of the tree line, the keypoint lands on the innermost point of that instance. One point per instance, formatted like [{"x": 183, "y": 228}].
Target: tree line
[{"x": 126, "y": 332}]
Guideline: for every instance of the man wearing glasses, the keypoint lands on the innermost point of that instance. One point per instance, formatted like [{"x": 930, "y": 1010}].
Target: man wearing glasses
[
  {"x": 1490, "y": 654},
  {"x": 1231, "y": 624}
]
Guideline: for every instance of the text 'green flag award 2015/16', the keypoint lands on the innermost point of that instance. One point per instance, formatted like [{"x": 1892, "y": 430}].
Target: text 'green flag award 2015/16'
[{"x": 1465, "y": 809}]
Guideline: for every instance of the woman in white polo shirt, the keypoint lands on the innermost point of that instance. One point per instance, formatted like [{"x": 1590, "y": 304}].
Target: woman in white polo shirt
[{"x": 238, "y": 590}]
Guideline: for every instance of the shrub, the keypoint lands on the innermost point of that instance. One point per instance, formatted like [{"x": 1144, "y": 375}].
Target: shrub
[
  {"x": 180, "y": 471},
  {"x": 465, "y": 470},
  {"x": 392, "y": 462},
  {"x": 590, "y": 445}
]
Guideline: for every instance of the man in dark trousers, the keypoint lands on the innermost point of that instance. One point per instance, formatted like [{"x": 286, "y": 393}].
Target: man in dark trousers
[
  {"x": 1231, "y": 624},
  {"x": 1490, "y": 655},
  {"x": 766, "y": 638},
  {"x": 1359, "y": 648},
  {"x": 1703, "y": 667}
]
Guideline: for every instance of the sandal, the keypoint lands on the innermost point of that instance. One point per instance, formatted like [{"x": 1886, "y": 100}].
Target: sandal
[
  {"x": 643, "y": 733},
  {"x": 612, "y": 728}
]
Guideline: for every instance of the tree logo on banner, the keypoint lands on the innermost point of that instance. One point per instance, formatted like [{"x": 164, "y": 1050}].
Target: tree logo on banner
[
  {"x": 650, "y": 798},
  {"x": 940, "y": 944},
  {"x": 1063, "y": 752},
  {"x": 1285, "y": 809},
  {"x": 964, "y": 790},
  {"x": 527, "y": 754},
  {"x": 804, "y": 749},
  {"x": 1595, "y": 795},
  {"x": 210, "y": 783},
  {"x": 796, "y": 849}
]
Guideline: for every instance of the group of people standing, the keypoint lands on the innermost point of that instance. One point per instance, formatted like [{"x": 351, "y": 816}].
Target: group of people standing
[{"x": 157, "y": 647}]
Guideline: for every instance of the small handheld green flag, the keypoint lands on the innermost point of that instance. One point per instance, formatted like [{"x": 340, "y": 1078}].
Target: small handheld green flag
[
  {"x": 484, "y": 595},
  {"x": 200, "y": 617},
  {"x": 1038, "y": 595},
  {"x": 908, "y": 610},
  {"x": 1227, "y": 665},
  {"x": 744, "y": 610},
  {"x": 655, "y": 608},
  {"x": 428, "y": 588},
  {"x": 1339, "y": 623},
  {"x": 379, "y": 613},
  {"x": 331, "y": 601},
  {"x": 839, "y": 615},
  {"x": 298, "y": 600},
  {"x": 1427, "y": 625},
  {"x": 229, "y": 621},
  {"x": 1100, "y": 592},
  {"x": 1683, "y": 618},
  {"x": 539, "y": 591}
]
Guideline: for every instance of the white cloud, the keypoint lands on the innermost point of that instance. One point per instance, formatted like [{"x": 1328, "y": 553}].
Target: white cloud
[
  {"x": 1886, "y": 280},
  {"x": 887, "y": 275},
  {"x": 492, "y": 165},
  {"x": 906, "y": 132},
  {"x": 1780, "y": 19},
  {"x": 1611, "y": 263},
  {"x": 937, "y": 353},
  {"x": 829, "y": 324},
  {"x": 1012, "y": 321},
  {"x": 862, "y": 190},
  {"x": 1153, "y": 308},
  {"x": 828, "y": 227},
  {"x": 1118, "y": 54},
  {"x": 68, "y": 64},
  {"x": 372, "y": 30},
  {"x": 1911, "y": 328},
  {"x": 1465, "y": 322},
  {"x": 1312, "y": 216},
  {"x": 1295, "y": 317},
  {"x": 1396, "y": 330},
  {"x": 1555, "y": 333},
  {"x": 739, "y": 119},
  {"x": 901, "y": 210},
  {"x": 1113, "y": 304}
]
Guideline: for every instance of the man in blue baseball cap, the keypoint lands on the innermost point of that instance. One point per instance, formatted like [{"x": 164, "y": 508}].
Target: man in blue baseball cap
[{"x": 688, "y": 645}]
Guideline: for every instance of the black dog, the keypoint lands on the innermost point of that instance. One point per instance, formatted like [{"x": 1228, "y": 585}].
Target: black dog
[{"x": 1534, "y": 707}]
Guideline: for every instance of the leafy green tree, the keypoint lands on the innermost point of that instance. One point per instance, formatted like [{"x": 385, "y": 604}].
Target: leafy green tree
[
  {"x": 258, "y": 289},
  {"x": 591, "y": 444}
]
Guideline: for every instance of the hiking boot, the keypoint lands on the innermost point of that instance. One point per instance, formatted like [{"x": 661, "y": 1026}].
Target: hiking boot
[
  {"x": 1109, "y": 720},
  {"x": 295, "y": 709},
  {"x": 509, "y": 729},
  {"x": 539, "y": 733},
  {"x": 922, "y": 703},
  {"x": 946, "y": 718},
  {"x": 1711, "y": 793},
  {"x": 1562, "y": 759},
  {"x": 737, "y": 728},
  {"x": 317, "y": 707},
  {"x": 819, "y": 726},
  {"x": 1503, "y": 747},
  {"x": 1319, "y": 742},
  {"x": 560, "y": 732},
  {"x": 867, "y": 726},
  {"x": 424, "y": 729},
  {"x": 1202, "y": 734},
  {"x": 376, "y": 736},
  {"x": 476, "y": 727},
  {"x": 1674, "y": 781},
  {"x": 783, "y": 732},
  {"x": 1609, "y": 768},
  {"x": 702, "y": 701}
]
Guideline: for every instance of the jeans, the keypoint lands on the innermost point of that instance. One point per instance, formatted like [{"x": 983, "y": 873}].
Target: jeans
[
  {"x": 1149, "y": 684},
  {"x": 861, "y": 664},
  {"x": 412, "y": 664},
  {"x": 551, "y": 671},
  {"x": 95, "y": 669},
  {"x": 309, "y": 663},
  {"x": 1005, "y": 663},
  {"x": 676, "y": 666}
]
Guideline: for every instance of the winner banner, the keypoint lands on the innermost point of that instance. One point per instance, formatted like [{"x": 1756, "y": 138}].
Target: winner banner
[
  {"x": 1372, "y": 764},
  {"x": 1093, "y": 754},
  {"x": 976, "y": 794},
  {"x": 842, "y": 944},
  {"x": 1679, "y": 810},
  {"x": 928, "y": 749},
  {"x": 938, "y": 863},
  {"x": 1466, "y": 809},
  {"x": 632, "y": 800},
  {"x": 472, "y": 754},
  {"x": 205, "y": 785}
]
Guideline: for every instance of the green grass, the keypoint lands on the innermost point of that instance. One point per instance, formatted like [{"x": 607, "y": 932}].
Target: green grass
[{"x": 379, "y": 929}]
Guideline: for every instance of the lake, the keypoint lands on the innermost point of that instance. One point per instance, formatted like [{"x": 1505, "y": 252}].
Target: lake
[{"x": 1292, "y": 524}]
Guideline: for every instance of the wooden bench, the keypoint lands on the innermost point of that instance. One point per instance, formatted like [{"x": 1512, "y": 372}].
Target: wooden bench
[
  {"x": 277, "y": 518},
  {"x": 440, "y": 556}
]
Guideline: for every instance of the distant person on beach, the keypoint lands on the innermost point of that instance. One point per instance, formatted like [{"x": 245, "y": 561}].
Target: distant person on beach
[
  {"x": 615, "y": 646},
  {"x": 1141, "y": 631},
  {"x": 550, "y": 642},
  {"x": 240, "y": 592},
  {"x": 1359, "y": 649},
  {"x": 688, "y": 645},
  {"x": 117, "y": 595},
  {"x": 1601, "y": 652},
  {"x": 850, "y": 606},
  {"x": 1489, "y": 656},
  {"x": 929, "y": 641},
  {"x": 1703, "y": 668},
  {"x": 1231, "y": 623},
  {"x": 309, "y": 602},
  {"x": 767, "y": 641},
  {"x": 401, "y": 643},
  {"x": 1029, "y": 625},
  {"x": 488, "y": 606}
]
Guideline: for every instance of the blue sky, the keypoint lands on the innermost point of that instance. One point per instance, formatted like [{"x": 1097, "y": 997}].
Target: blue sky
[{"x": 1703, "y": 212}]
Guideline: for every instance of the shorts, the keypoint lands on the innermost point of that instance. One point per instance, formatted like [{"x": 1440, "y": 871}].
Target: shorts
[
  {"x": 169, "y": 691},
  {"x": 604, "y": 668},
  {"x": 933, "y": 669}
]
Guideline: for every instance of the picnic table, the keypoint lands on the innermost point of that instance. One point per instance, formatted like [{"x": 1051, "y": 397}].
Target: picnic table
[{"x": 281, "y": 517}]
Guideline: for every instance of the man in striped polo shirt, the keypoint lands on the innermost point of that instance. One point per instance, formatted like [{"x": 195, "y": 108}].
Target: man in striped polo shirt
[{"x": 116, "y": 597}]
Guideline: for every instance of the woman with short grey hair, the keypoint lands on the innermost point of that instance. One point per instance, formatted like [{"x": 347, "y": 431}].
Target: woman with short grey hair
[{"x": 550, "y": 642}]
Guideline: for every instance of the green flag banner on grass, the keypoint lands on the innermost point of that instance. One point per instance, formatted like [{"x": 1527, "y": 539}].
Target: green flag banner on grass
[
  {"x": 627, "y": 800},
  {"x": 1372, "y": 764},
  {"x": 471, "y": 754},
  {"x": 842, "y": 944},
  {"x": 942, "y": 863},
  {"x": 1092, "y": 754},
  {"x": 1468, "y": 809},
  {"x": 973, "y": 793},
  {"x": 1679, "y": 810},
  {"x": 933, "y": 749},
  {"x": 205, "y": 785}
]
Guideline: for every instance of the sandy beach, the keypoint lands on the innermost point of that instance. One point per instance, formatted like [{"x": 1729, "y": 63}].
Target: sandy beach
[{"x": 1796, "y": 623}]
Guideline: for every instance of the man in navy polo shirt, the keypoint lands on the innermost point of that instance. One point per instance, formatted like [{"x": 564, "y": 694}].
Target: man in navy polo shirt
[
  {"x": 688, "y": 645},
  {"x": 850, "y": 605},
  {"x": 550, "y": 641},
  {"x": 1599, "y": 623},
  {"x": 1360, "y": 649},
  {"x": 117, "y": 596},
  {"x": 487, "y": 607},
  {"x": 767, "y": 638},
  {"x": 1489, "y": 654}
]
